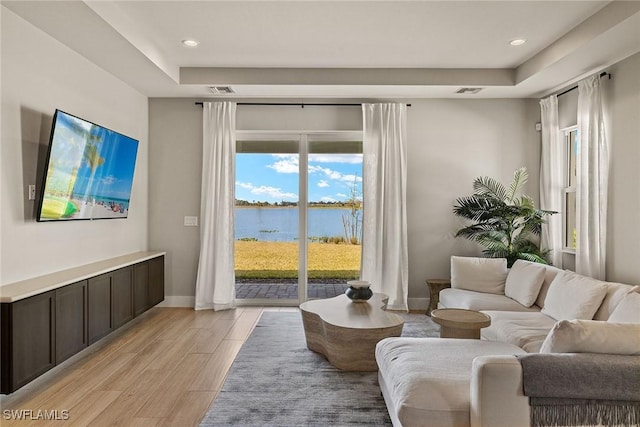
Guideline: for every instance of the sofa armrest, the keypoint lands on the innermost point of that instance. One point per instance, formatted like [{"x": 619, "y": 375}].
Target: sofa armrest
[{"x": 496, "y": 394}]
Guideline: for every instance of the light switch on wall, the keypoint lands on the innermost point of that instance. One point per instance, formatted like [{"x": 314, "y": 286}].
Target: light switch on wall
[{"x": 191, "y": 221}]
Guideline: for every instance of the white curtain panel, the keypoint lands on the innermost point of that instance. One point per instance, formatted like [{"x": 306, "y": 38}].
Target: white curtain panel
[
  {"x": 384, "y": 236},
  {"x": 215, "y": 285},
  {"x": 551, "y": 179},
  {"x": 592, "y": 181}
]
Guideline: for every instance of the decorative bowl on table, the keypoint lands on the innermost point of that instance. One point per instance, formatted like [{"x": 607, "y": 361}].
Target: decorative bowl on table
[{"x": 359, "y": 290}]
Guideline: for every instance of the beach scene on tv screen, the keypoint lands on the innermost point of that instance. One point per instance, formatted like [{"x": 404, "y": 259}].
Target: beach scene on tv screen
[{"x": 90, "y": 172}]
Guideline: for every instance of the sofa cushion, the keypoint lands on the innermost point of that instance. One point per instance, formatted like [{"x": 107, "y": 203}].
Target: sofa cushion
[
  {"x": 550, "y": 274},
  {"x": 628, "y": 310},
  {"x": 615, "y": 293},
  {"x": 524, "y": 282},
  {"x": 593, "y": 336},
  {"x": 479, "y": 274},
  {"x": 460, "y": 298},
  {"x": 527, "y": 330},
  {"x": 428, "y": 379},
  {"x": 573, "y": 296}
]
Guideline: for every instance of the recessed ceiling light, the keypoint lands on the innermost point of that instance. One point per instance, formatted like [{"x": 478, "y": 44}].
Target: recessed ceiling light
[
  {"x": 190, "y": 42},
  {"x": 517, "y": 42}
]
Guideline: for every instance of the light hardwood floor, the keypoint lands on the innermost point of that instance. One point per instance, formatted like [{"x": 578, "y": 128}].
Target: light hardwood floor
[{"x": 163, "y": 368}]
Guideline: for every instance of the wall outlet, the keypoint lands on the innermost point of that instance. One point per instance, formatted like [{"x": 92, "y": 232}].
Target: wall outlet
[
  {"x": 32, "y": 192},
  {"x": 538, "y": 127},
  {"x": 191, "y": 221}
]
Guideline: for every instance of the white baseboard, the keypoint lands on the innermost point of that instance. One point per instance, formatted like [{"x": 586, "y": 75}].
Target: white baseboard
[
  {"x": 418, "y": 303},
  {"x": 190, "y": 301},
  {"x": 178, "y": 301}
]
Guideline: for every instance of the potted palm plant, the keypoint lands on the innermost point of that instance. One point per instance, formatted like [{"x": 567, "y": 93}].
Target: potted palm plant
[{"x": 505, "y": 222}]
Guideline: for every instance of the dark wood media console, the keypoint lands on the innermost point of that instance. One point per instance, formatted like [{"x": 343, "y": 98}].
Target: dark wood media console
[{"x": 46, "y": 320}]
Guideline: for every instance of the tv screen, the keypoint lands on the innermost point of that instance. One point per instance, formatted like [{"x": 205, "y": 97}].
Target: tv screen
[{"x": 89, "y": 171}]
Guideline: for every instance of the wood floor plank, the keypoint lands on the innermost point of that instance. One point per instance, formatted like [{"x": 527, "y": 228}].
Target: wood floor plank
[
  {"x": 128, "y": 374},
  {"x": 178, "y": 348},
  {"x": 190, "y": 409},
  {"x": 176, "y": 385},
  {"x": 130, "y": 401},
  {"x": 207, "y": 340},
  {"x": 215, "y": 371},
  {"x": 83, "y": 412},
  {"x": 244, "y": 325}
]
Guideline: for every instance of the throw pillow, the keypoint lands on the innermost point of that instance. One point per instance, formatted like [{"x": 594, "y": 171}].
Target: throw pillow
[
  {"x": 593, "y": 336},
  {"x": 628, "y": 310},
  {"x": 573, "y": 296},
  {"x": 615, "y": 293},
  {"x": 486, "y": 275},
  {"x": 524, "y": 282}
]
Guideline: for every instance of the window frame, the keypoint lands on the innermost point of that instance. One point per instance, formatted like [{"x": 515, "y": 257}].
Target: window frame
[{"x": 568, "y": 187}]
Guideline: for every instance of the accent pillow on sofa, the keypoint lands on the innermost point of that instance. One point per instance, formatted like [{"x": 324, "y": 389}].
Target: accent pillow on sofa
[
  {"x": 573, "y": 296},
  {"x": 628, "y": 310},
  {"x": 524, "y": 282},
  {"x": 486, "y": 275},
  {"x": 593, "y": 336}
]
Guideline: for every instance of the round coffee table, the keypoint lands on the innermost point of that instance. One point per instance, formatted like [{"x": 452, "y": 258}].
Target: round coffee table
[{"x": 460, "y": 323}]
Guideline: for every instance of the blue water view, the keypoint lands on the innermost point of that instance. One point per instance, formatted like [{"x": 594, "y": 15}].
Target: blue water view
[{"x": 281, "y": 224}]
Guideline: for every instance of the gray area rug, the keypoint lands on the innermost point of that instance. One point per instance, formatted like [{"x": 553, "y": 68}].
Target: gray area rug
[{"x": 276, "y": 381}]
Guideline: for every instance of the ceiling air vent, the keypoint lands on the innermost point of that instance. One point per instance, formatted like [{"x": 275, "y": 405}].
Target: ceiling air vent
[
  {"x": 220, "y": 90},
  {"x": 469, "y": 90}
]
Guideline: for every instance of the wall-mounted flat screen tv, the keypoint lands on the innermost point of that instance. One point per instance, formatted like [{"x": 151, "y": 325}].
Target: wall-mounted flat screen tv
[{"x": 89, "y": 171}]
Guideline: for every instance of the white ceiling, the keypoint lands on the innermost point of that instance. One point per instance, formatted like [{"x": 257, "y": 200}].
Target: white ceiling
[{"x": 343, "y": 49}]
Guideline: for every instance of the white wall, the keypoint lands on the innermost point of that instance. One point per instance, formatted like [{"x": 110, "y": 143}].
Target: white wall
[
  {"x": 39, "y": 75},
  {"x": 451, "y": 142},
  {"x": 623, "y": 241}
]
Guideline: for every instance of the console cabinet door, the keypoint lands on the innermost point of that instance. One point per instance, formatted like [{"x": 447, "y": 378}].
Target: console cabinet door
[
  {"x": 99, "y": 307},
  {"x": 156, "y": 281},
  {"x": 140, "y": 288},
  {"x": 122, "y": 296},
  {"x": 32, "y": 338},
  {"x": 71, "y": 320}
]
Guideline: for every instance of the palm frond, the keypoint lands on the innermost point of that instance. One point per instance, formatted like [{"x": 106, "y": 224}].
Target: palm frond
[
  {"x": 489, "y": 187},
  {"x": 520, "y": 177}
]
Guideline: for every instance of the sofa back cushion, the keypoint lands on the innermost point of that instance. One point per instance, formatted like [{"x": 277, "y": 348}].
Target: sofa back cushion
[
  {"x": 479, "y": 274},
  {"x": 573, "y": 296},
  {"x": 628, "y": 311},
  {"x": 593, "y": 336},
  {"x": 615, "y": 293},
  {"x": 524, "y": 282},
  {"x": 550, "y": 273}
]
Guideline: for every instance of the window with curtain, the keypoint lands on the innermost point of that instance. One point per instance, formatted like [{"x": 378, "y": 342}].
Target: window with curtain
[{"x": 569, "y": 230}]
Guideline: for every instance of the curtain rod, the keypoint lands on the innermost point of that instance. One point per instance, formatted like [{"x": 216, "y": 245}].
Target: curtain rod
[
  {"x": 296, "y": 104},
  {"x": 604, "y": 73}
]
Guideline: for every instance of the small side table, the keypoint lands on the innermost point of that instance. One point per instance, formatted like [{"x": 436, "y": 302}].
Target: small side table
[
  {"x": 460, "y": 323},
  {"x": 435, "y": 286}
]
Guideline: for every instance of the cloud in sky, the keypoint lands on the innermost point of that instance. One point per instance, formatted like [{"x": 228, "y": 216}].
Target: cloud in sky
[
  {"x": 334, "y": 175},
  {"x": 341, "y": 195},
  {"x": 328, "y": 199},
  {"x": 323, "y": 183},
  {"x": 287, "y": 164},
  {"x": 265, "y": 190}
]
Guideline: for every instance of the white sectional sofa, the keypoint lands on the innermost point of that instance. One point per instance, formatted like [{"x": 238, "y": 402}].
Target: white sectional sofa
[{"x": 449, "y": 382}]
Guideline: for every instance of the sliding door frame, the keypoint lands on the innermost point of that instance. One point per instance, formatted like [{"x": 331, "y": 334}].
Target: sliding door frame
[{"x": 303, "y": 138}]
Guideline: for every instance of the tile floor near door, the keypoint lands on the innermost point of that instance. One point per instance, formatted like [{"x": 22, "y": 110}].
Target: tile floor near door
[{"x": 287, "y": 290}]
